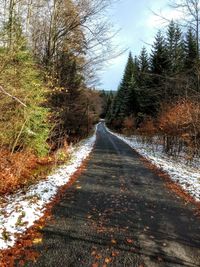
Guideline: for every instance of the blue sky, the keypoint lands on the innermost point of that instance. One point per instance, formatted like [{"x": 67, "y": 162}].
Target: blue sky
[{"x": 138, "y": 26}]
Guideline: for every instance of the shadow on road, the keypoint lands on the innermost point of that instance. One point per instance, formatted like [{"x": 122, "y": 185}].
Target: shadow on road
[{"x": 119, "y": 213}]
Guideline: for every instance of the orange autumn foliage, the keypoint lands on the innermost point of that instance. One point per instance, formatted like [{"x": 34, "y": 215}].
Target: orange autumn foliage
[
  {"x": 147, "y": 127},
  {"x": 20, "y": 169},
  {"x": 180, "y": 124},
  {"x": 181, "y": 118},
  {"x": 128, "y": 125}
]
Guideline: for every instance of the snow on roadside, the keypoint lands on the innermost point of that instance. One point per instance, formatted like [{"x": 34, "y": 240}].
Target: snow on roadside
[
  {"x": 19, "y": 211},
  {"x": 187, "y": 176}
]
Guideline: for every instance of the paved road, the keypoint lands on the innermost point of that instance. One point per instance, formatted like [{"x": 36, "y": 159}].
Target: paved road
[{"x": 119, "y": 213}]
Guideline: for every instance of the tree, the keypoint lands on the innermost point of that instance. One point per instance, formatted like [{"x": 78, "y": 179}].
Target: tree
[
  {"x": 66, "y": 38},
  {"x": 191, "y": 62},
  {"x": 144, "y": 90},
  {"x": 126, "y": 99},
  {"x": 174, "y": 85},
  {"x": 191, "y": 12},
  {"x": 23, "y": 115},
  {"x": 159, "y": 67},
  {"x": 159, "y": 59},
  {"x": 191, "y": 53},
  {"x": 107, "y": 99},
  {"x": 175, "y": 48}
]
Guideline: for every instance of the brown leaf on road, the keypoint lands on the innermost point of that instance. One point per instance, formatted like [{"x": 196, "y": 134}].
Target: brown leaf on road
[
  {"x": 130, "y": 241},
  {"x": 108, "y": 260},
  {"x": 37, "y": 241},
  {"x": 98, "y": 256},
  {"x": 115, "y": 253},
  {"x": 93, "y": 253}
]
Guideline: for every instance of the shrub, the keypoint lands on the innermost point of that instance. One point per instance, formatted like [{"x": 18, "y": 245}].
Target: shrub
[
  {"x": 180, "y": 124},
  {"x": 129, "y": 125}
]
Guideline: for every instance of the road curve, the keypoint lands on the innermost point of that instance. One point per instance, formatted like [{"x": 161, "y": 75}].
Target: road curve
[{"x": 119, "y": 213}]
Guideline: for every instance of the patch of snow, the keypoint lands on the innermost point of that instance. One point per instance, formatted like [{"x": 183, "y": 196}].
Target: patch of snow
[
  {"x": 188, "y": 176},
  {"x": 19, "y": 211}
]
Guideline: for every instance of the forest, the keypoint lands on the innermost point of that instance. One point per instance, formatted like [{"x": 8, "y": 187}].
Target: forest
[
  {"x": 50, "y": 52},
  {"x": 50, "y": 55},
  {"x": 91, "y": 175},
  {"x": 159, "y": 94}
]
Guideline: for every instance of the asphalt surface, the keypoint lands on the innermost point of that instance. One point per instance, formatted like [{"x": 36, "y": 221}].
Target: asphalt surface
[{"x": 119, "y": 213}]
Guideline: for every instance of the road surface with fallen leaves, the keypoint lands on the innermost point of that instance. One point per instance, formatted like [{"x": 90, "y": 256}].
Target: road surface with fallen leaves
[{"x": 119, "y": 213}]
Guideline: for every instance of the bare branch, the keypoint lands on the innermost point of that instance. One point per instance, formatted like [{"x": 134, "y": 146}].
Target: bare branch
[{"x": 13, "y": 97}]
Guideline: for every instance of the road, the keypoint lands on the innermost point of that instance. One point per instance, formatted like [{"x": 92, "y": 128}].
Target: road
[{"x": 119, "y": 213}]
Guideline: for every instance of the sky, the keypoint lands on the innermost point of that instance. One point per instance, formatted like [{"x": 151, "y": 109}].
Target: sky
[{"x": 138, "y": 25}]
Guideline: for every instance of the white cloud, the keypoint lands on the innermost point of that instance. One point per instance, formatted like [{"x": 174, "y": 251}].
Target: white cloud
[{"x": 161, "y": 18}]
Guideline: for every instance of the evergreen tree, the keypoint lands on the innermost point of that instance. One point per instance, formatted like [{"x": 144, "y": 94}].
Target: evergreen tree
[
  {"x": 175, "y": 51},
  {"x": 191, "y": 53},
  {"x": 192, "y": 63},
  {"x": 159, "y": 58},
  {"x": 64, "y": 100},
  {"x": 145, "y": 101},
  {"x": 175, "y": 48},
  {"x": 144, "y": 61},
  {"x": 126, "y": 100},
  {"x": 107, "y": 99},
  {"x": 159, "y": 67}
]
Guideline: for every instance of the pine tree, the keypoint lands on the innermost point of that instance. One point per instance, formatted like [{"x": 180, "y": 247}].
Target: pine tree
[
  {"x": 191, "y": 54},
  {"x": 175, "y": 52},
  {"x": 192, "y": 62},
  {"x": 159, "y": 67},
  {"x": 159, "y": 58},
  {"x": 175, "y": 48},
  {"x": 64, "y": 100},
  {"x": 144, "y": 61},
  {"x": 107, "y": 99},
  {"x": 145, "y": 100},
  {"x": 126, "y": 100}
]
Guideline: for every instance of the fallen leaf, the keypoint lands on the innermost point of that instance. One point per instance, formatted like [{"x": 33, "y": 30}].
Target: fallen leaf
[
  {"x": 98, "y": 256},
  {"x": 93, "y": 253},
  {"x": 108, "y": 260},
  {"x": 113, "y": 241},
  {"x": 130, "y": 241},
  {"x": 78, "y": 187},
  {"x": 37, "y": 241},
  {"x": 115, "y": 253}
]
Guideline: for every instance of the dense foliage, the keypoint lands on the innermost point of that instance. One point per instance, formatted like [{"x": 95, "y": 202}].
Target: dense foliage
[
  {"x": 49, "y": 54},
  {"x": 161, "y": 90},
  {"x": 49, "y": 51}
]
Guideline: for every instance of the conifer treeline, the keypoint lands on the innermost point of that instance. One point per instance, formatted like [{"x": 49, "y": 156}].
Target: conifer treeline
[
  {"x": 153, "y": 84},
  {"x": 168, "y": 74}
]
